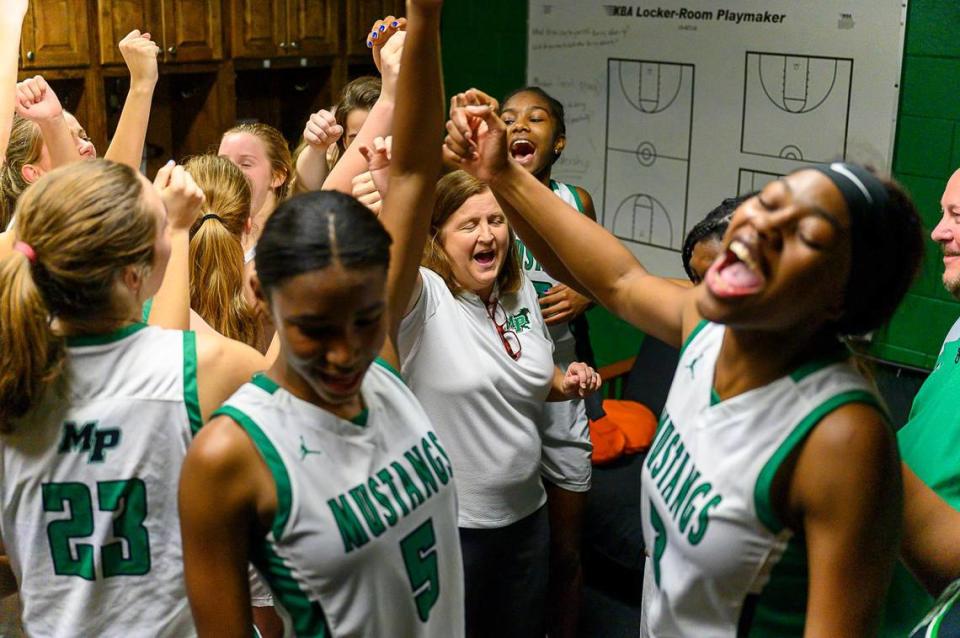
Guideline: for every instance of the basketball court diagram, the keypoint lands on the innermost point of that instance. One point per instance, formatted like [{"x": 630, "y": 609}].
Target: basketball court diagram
[
  {"x": 796, "y": 107},
  {"x": 750, "y": 180},
  {"x": 647, "y": 160}
]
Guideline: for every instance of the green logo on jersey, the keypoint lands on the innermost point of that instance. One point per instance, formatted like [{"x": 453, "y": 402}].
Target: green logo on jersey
[
  {"x": 684, "y": 490},
  {"x": 88, "y": 439},
  {"x": 305, "y": 451},
  {"x": 391, "y": 493},
  {"x": 527, "y": 260},
  {"x": 520, "y": 321}
]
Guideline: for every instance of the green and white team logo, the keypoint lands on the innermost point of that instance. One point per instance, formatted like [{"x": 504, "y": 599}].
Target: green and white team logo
[{"x": 520, "y": 321}]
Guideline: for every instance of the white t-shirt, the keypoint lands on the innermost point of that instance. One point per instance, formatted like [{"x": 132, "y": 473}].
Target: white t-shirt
[{"x": 484, "y": 404}]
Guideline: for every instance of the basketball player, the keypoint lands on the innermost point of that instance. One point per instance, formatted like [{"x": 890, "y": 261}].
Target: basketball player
[{"x": 96, "y": 408}]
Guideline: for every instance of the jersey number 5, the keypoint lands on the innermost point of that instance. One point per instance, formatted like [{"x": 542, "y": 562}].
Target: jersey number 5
[
  {"x": 419, "y": 552},
  {"x": 128, "y": 497}
]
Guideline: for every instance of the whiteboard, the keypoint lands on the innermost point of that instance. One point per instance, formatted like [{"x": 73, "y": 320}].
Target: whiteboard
[{"x": 672, "y": 107}]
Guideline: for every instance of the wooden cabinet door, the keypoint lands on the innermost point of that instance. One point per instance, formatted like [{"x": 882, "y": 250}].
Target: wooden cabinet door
[
  {"x": 258, "y": 28},
  {"x": 55, "y": 34},
  {"x": 192, "y": 31},
  {"x": 311, "y": 27},
  {"x": 117, "y": 18},
  {"x": 361, "y": 14}
]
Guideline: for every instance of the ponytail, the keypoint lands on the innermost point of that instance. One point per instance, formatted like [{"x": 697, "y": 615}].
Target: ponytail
[
  {"x": 216, "y": 282},
  {"x": 82, "y": 225},
  {"x": 216, "y": 254},
  {"x": 31, "y": 355}
]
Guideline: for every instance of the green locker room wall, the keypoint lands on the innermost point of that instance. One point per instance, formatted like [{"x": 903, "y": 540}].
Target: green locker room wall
[
  {"x": 927, "y": 151},
  {"x": 485, "y": 45}
]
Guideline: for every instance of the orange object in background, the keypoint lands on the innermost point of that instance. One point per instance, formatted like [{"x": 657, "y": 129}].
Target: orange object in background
[{"x": 626, "y": 428}]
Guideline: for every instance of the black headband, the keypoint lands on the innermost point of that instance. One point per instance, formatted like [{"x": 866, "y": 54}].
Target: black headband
[
  {"x": 861, "y": 190},
  {"x": 866, "y": 199}
]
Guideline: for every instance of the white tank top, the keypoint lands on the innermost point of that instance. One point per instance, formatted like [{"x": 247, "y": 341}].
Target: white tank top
[
  {"x": 89, "y": 489},
  {"x": 365, "y": 538},
  {"x": 720, "y": 563}
]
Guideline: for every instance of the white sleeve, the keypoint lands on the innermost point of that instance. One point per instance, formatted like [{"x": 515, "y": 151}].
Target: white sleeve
[{"x": 412, "y": 325}]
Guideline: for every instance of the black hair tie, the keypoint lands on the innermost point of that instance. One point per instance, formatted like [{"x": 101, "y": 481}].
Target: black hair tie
[{"x": 211, "y": 216}]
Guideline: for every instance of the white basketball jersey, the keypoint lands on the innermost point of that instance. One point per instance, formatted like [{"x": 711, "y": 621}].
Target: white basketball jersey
[
  {"x": 720, "y": 563},
  {"x": 365, "y": 539},
  {"x": 89, "y": 489}
]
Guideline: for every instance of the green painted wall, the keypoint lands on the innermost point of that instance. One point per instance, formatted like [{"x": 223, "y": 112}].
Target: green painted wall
[
  {"x": 484, "y": 45},
  {"x": 926, "y": 153}
]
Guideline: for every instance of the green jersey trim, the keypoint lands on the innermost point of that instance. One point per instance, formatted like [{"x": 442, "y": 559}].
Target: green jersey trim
[
  {"x": 693, "y": 334},
  {"x": 555, "y": 186},
  {"x": 389, "y": 368},
  {"x": 79, "y": 341},
  {"x": 270, "y": 455},
  {"x": 804, "y": 371},
  {"x": 306, "y": 615},
  {"x": 270, "y": 386},
  {"x": 191, "y": 396},
  {"x": 714, "y": 397},
  {"x": 361, "y": 418},
  {"x": 761, "y": 493},
  {"x": 264, "y": 382}
]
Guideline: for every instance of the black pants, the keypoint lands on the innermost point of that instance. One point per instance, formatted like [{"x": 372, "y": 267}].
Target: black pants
[{"x": 506, "y": 570}]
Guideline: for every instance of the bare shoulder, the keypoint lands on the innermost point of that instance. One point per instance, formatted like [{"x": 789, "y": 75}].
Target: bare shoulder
[
  {"x": 588, "y": 207},
  {"x": 216, "y": 352},
  {"x": 224, "y": 476},
  {"x": 854, "y": 431},
  {"x": 849, "y": 461},
  {"x": 222, "y": 448}
]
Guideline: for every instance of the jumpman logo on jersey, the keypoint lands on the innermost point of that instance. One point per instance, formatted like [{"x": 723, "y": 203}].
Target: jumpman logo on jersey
[
  {"x": 305, "y": 451},
  {"x": 690, "y": 366}
]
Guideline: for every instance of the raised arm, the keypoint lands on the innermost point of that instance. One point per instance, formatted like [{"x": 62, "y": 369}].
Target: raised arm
[
  {"x": 182, "y": 198},
  {"x": 589, "y": 253},
  {"x": 37, "y": 102},
  {"x": 11, "y": 22},
  {"x": 379, "y": 122},
  {"x": 416, "y": 157},
  {"x": 140, "y": 52},
  {"x": 319, "y": 134},
  {"x": 931, "y": 535}
]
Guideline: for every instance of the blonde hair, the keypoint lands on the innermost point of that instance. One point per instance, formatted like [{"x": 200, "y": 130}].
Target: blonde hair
[
  {"x": 25, "y": 146},
  {"x": 278, "y": 152},
  {"x": 216, "y": 252},
  {"x": 85, "y": 223},
  {"x": 453, "y": 190}
]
